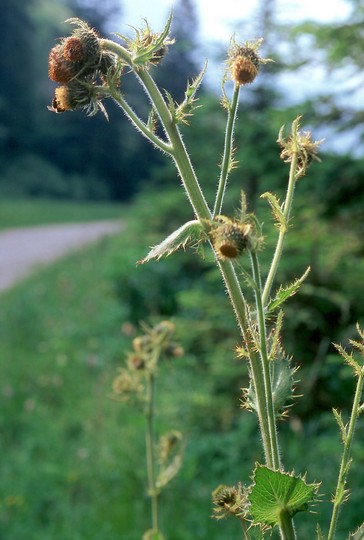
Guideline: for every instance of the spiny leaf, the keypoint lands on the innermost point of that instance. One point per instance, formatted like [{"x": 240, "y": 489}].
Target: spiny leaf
[
  {"x": 286, "y": 292},
  {"x": 276, "y": 492},
  {"x": 276, "y": 209},
  {"x": 358, "y": 346},
  {"x": 349, "y": 359},
  {"x": 170, "y": 453},
  {"x": 274, "y": 338},
  {"x": 190, "y": 231},
  {"x": 320, "y": 536},
  {"x": 282, "y": 377},
  {"x": 341, "y": 424},
  {"x": 358, "y": 534}
]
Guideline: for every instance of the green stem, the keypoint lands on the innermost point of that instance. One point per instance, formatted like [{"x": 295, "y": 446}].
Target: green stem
[
  {"x": 228, "y": 149},
  {"x": 286, "y": 527},
  {"x": 149, "y": 440},
  {"x": 239, "y": 305},
  {"x": 269, "y": 411},
  {"x": 339, "y": 497},
  {"x": 283, "y": 230},
  {"x": 140, "y": 125},
  {"x": 202, "y": 212}
]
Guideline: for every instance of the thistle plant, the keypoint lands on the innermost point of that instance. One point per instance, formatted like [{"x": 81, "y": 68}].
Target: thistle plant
[
  {"x": 136, "y": 384},
  {"x": 90, "y": 69}
]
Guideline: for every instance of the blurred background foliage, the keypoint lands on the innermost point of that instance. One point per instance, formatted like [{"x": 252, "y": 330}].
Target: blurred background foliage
[{"x": 72, "y": 460}]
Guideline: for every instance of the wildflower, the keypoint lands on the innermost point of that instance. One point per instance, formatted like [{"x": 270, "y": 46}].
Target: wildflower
[{"x": 244, "y": 62}]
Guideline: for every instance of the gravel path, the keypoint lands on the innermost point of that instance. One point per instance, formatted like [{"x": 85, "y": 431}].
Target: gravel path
[{"x": 22, "y": 250}]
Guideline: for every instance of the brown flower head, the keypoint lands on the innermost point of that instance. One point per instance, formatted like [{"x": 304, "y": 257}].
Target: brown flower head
[
  {"x": 230, "y": 238},
  {"x": 244, "y": 62},
  {"x": 60, "y": 69},
  {"x": 77, "y": 95}
]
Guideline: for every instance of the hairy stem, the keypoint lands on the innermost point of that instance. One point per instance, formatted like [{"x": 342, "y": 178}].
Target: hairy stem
[
  {"x": 282, "y": 231},
  {"x": 149, "y": 440},
  {"x": 228, "y": 150},
  {"x": 286, "y": 527},
  {"x": 274, "y": 448},
  {"x": 339, "y": 497}
]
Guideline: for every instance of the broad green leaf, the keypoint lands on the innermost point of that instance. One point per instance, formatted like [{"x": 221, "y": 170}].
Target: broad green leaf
[
  {"x": 286, "y": 292},
  {"x": 275, "y": 493},
  {"x": 358, "y": 534},
  {"x": 190, "y": 231}
]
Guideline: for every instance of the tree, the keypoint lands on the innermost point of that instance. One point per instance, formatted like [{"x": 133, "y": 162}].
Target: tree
[
  {"x": 336, "y": 47},
  {"x": 16, "y": 68},
  {"x": 180, "y": 63}
]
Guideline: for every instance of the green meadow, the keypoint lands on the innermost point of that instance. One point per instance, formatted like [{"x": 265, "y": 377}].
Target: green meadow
[{"x": 72, "y": 460}]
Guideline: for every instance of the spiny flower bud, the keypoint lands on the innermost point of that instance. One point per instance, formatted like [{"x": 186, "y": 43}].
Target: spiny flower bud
[
  {"x": 231, "y": 239},
  {"x": 229, "y": 501},
  {"x": 244, "y": 62},
  {"x": 88, "y": 40},
  {"x": 77, "y": 95},
  {"x": 60, "y": 69},
  {"x": 73, "y": 49}
]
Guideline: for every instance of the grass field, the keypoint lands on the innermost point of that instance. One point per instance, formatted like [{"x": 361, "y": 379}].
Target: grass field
[
  {"x": 72, "y": 459},
  {"x": 23, "y": 212}
]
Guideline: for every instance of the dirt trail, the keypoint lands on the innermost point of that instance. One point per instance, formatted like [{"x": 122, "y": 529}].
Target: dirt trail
[{"x": 22, "y": 250}]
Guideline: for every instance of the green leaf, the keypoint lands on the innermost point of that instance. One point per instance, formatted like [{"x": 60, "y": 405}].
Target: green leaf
[
  {"x": 276, "y": 209},
  {"x": 190, "y": 231},
  {"x": 286, "y": 292},
  {"x": 275, "y": 493},
  {"x": 358, "y": 534}
]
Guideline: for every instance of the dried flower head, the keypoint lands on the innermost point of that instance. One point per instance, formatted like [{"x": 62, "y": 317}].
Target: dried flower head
[
  {"x": 229, "y": 501},
  {"x": 244, "y": 61},
  {"x": 300, "y": 145},
  {"x": 77, "y": 95},
  {"x": 126, "y": 385}
]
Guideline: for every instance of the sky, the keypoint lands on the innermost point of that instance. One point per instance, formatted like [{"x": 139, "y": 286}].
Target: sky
[{"x": 220, "y": 19}]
